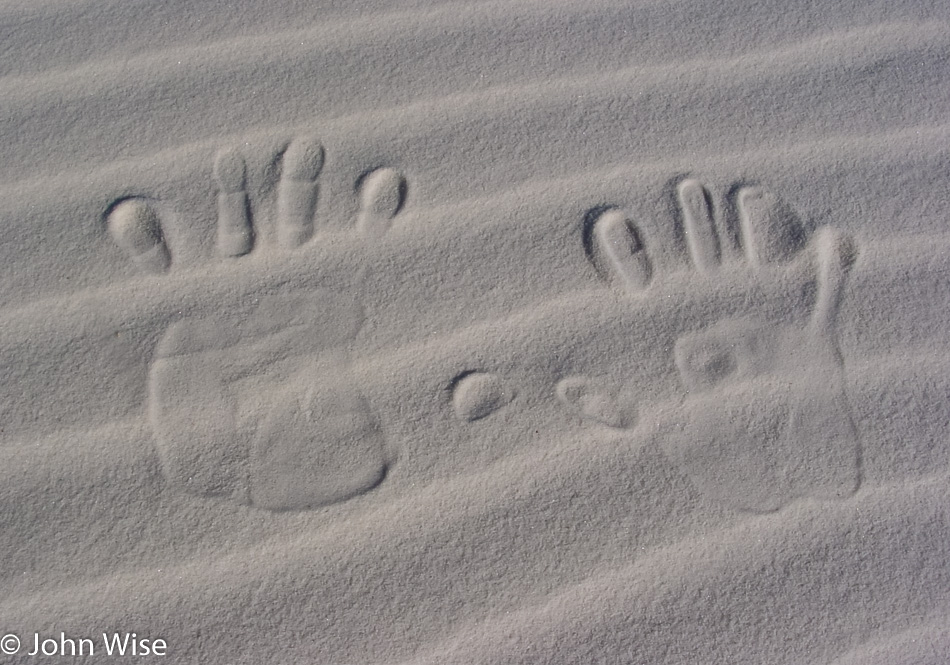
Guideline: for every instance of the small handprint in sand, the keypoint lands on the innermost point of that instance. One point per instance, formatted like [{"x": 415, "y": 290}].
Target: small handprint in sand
[
  {"x": 765, "y": 417},
  {"x": 762, "y": 416}
]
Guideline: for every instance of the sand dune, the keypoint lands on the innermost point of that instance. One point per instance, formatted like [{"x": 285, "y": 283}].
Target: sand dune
[{"x": 483, "y": 332}]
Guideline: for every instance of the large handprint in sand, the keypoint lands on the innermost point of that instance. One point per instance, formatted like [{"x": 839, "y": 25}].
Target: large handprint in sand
[{"x": 255, "y": 403}]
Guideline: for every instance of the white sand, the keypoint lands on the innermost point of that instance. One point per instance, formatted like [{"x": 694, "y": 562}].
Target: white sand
[{"x": 492, "y": 332}]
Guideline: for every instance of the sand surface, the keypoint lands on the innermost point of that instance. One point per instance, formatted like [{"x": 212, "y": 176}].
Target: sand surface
[{"x": 368, "y": 333}]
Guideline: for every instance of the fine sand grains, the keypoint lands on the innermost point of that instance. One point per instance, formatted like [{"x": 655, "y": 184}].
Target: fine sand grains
[{"x": 483, "y": 332}]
